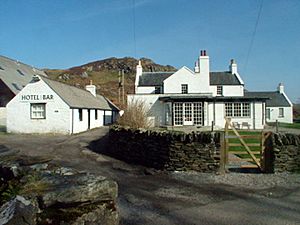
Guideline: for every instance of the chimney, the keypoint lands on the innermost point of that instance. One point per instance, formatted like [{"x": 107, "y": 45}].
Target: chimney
[
  {"x": 280, "y": 88},
  {"x": 139, "y": 69},
  {"x": 197, "y": 69},
  {"x": 139, "y": 72},
  {"x": 233, "y": 66},
  {"x": 203, "y": 63},
  {"x": 91, "y": 88}
]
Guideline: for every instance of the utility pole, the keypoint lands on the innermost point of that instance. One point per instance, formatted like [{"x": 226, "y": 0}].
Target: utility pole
[
  {"x": 123, "y": 88},
  {"x": 120, "y": 85}
]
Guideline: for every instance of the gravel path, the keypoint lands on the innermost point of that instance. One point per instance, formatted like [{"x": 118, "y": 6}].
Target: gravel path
[{"x": 152, "y": 197}]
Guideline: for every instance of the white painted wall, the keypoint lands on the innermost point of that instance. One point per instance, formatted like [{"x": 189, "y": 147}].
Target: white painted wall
[
  {"x": 229, "y": 90},
  {"x": 19, "y": 115},
  {"x": 274, "y": 115},
  {"x": 145, "y": 90},
  {"x": 156, "y": 109},
  {"x": 185, "y": 76},
  {"x": 2, "y": 116}
]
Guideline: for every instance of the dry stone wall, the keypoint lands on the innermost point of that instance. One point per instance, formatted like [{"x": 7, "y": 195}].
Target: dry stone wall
[
  {"x": 165, "y": 150},
  {"x": 286, "y": 152}
]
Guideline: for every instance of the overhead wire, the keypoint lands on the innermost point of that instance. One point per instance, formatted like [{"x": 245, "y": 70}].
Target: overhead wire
[{"x": 253, "y": 36}]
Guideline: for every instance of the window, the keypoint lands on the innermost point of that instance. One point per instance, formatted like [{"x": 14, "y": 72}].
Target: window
[
  {"x": 184, "y": 88},
  {"x": 268, "y": 114},
  {"x": 20, "y": 72},
  {"x": 38, "y": 110},
  {"x": 281, "y": 112},
  {"x": 237, "y": 109},
  {"x": 157, "y": 90},
  {"x": 178, "y": 114},
  {"x": 219, "y": 90},
  {"x": 80, "y": 114},
  {"x": 96, "y": 114}
]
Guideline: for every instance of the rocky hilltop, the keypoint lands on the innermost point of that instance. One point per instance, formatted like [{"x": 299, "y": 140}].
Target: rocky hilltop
[{"x": 104, "y": 74}]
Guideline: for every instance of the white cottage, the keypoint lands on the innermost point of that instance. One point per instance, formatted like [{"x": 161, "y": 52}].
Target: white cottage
[
  {"x": 47, "y": 106},
  {"x": 199, "y": 98}
]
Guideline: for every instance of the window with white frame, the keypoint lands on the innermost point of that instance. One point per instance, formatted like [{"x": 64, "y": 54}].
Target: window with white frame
[
  {"x": 219, "y": 90},
  {"x": 237, "y": 109},
  {"x": 38, "y": 110},
  {"x": 184, "y": 88},
  {"x": 281, "y": 112}
]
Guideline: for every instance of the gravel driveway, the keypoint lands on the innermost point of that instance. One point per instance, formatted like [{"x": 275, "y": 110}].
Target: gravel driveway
[{"x": 152, "y": 197}]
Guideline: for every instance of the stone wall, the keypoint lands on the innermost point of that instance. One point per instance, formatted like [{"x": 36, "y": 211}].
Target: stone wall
[
  {"x": 286, "y": 152},
  {"x": 166, "y": 150}
]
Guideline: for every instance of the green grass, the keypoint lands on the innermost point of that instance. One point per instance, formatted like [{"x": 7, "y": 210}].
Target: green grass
[
  {"x": 286, "y": 125},
  {"x": 254, "y": 140}
]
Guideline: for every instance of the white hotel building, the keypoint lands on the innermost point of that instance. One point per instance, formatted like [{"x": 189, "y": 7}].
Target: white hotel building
[
  {"x": 47, "y": 106},
  {"x": 201, "y": 98}
]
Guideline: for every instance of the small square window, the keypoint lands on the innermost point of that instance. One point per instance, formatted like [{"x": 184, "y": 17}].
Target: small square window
[
  {"x": 219, "y": 90},
  {"x": 281, "y": 112},
  {"x": 184, "y": 88},
  {"x": 80, "y": 114},
  {"x": 38, "y": 110}
]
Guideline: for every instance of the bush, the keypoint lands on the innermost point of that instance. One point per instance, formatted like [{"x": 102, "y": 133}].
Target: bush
[{"x": 135, "y": 115}]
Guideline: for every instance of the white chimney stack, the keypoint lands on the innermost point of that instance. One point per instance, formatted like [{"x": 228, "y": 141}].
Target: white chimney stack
[
  {"x": 91, "y": 88},
  {"x": 197, "y": 69},
  {"x": 139, "y": 72},
  {"x": 280, "y": 88},
  {"x": 204, "y": 71},
  {"x": 233, "y": 67}
]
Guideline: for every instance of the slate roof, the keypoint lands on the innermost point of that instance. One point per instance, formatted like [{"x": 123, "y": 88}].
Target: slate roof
[
  {"x": 216, "y": 78},
  {"x": 223, "y": 78},
  {"x": 16, "y": 74},
  {"x": 275, "y": 98},
  {"x": 77, "y": 97},
  {"x": 154, "y": 78}
]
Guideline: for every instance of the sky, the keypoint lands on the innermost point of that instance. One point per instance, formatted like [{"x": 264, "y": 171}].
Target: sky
[{"x": 60, "y": 34}]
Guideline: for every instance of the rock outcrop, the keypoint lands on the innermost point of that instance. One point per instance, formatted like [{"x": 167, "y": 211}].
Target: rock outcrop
[{"x": 36, "y": 191}]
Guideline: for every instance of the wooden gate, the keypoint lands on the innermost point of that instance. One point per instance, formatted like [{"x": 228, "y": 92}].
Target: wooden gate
[{"x": 243, "y": 148}]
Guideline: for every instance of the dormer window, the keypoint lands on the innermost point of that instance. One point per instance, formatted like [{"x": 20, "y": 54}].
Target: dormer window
[
  {"x": 219, "y": 90},
  {"x": 184, "y": 88},
  {"x": 21, "y": 73}
]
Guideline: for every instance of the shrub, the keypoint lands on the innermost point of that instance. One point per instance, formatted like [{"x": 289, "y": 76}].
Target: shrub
[{"x": 135, "y": 115}]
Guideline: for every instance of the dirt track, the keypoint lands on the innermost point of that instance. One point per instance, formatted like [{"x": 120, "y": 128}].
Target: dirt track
[{"x": 173, "y": 198}]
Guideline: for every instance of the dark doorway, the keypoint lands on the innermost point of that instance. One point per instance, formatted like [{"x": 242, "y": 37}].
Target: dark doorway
[{"x": 89, "y": 118}]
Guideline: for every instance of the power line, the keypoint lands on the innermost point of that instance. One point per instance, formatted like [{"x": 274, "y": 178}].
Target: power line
[
  {"x": 134, "y": 37},
  {"x": 253, "y": 35}
]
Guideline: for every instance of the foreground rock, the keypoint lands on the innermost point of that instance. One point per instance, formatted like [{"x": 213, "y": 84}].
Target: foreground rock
[{"x": 35, "y": 191}]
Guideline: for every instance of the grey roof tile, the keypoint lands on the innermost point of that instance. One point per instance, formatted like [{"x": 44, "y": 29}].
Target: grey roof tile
[
  {"x": 154, "y": 78},
  {"x": 223, "y": 78},
  {"x": 216, "y": 78},
  {"x": 275, "y": 98},
  {"x": 16, "y": 74},
  {"x": 77, "y": 97}
]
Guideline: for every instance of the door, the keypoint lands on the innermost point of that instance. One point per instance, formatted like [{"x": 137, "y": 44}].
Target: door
[
  {"x": 89, "y": 118},
  {"x": 188, "y": 114}
]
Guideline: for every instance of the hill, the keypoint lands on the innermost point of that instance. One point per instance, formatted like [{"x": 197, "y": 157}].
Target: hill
[{"x": 104, "y": 74}]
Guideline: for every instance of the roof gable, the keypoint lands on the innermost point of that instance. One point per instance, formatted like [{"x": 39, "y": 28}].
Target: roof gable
[
  {"x": 77, "y": 97},
  {"x": 276, "y": 99}
]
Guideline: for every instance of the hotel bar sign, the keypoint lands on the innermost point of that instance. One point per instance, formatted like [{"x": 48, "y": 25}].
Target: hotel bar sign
[{"x": 36, "y": 97}]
